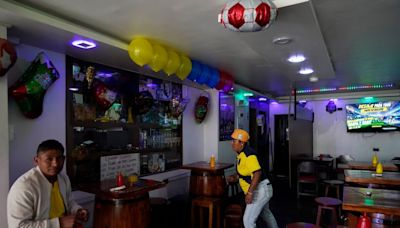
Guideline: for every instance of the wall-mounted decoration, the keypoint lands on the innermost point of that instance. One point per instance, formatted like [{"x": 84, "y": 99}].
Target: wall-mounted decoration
[
  {"x": 201, "y": 107},
  {"x": 30, "y": 89},
  {"x": 8, "y": 56},
  {"x": 226, "y": 116}
]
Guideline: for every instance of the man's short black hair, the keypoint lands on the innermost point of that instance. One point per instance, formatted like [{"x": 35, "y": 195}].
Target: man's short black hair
[{"x": 50, "y": 144}]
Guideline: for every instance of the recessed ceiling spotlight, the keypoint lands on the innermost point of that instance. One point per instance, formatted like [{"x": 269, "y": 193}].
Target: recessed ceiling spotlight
[
  {"x": 84, "y": 44},
  {"x": 305, "y": 71},
  {"x": 313, "y": 79},
  {"x": 296, "y": 58},
  {"x": 282, "y": 40}
]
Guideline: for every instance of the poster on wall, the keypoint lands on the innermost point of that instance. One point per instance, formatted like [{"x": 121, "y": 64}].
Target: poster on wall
[
  {"x": 226, "y": 115},
  {"x": 127, "y": 164}
]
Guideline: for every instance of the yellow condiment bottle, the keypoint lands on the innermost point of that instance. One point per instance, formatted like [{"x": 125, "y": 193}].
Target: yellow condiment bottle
[
  {"x": 379, "y": 168},
  {"x": 212, "y": 161},
  {"x": 374, "y": 160}
]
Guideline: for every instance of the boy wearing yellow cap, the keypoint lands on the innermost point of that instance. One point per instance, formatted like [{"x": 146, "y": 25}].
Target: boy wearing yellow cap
[{"x": 253, "y": 181}]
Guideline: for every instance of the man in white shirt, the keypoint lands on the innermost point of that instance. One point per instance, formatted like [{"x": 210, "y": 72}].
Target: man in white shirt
[{"x": 42, "y": 196}]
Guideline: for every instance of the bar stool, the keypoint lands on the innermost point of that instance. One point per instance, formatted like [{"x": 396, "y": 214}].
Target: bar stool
[
  {"x": 300, "y": 225},
  {"x": 233, "y": 217},
  {"x": 333, "y": 184},
  {"x": 208, "y": 203},
  {"x": 328, "y": 203}
]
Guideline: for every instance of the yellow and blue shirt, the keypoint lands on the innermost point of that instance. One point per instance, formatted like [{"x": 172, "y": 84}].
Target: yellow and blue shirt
[{"x": 247, "y": 164}]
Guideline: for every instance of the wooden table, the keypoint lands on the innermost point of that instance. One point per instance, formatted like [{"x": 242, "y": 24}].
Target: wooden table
[
  {"x": 129, "y": 208},
  {"x": 387, "y": 166},
  {"x": 368, "y": 177},
  {"x": 381, "y": 200},
  {"x": 207, "y": 181}
]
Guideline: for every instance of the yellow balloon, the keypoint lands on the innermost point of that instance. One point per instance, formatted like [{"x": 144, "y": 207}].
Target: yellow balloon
[
  {"x": 140, "y": 51},
  {"x": 173, "y": 63},
  {"x": 160, "y": 58},
  {"x": 185, "y": 67}
]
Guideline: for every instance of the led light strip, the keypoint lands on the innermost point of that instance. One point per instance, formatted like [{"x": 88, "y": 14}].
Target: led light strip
[{"x": 346, "y": 88}]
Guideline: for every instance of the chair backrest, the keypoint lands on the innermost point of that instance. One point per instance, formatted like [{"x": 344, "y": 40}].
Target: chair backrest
[{"x": 306, "y": 167}]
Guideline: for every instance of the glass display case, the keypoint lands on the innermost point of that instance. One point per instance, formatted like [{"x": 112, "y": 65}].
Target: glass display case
[{"x": 112, "y": 112}]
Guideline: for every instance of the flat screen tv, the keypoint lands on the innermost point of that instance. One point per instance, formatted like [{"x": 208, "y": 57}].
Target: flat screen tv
[{"x": 373, "y": 117}]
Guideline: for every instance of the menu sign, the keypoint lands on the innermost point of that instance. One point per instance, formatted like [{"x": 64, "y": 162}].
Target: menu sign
[{"x": 127, "y": 164}]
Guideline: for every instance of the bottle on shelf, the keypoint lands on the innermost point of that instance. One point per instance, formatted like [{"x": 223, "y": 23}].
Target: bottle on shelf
[{"x": 379, "y": 168}]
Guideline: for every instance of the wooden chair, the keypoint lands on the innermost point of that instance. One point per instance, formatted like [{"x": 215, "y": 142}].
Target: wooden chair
[
  {"x": 307, "y": 175},
  {"x": 233, "y": 185},
  {"x": 206, "y": 203},
  {"x": 328, "y": 203}
]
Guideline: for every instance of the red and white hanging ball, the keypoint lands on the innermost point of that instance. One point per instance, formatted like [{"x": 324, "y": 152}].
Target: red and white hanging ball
[{"x": 248, "y": 15}]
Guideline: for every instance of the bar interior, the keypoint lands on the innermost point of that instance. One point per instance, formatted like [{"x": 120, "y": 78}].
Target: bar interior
[{"x": 251, "y": 113}]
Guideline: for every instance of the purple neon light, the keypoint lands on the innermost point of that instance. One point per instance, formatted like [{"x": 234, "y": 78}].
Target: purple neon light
[{"x": 84, "y": 44}]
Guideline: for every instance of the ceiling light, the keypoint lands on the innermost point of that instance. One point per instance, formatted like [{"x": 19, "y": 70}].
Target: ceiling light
[
  {"x": 302, "y": 101},
  {"x": 248, "y": 94},
  {"x": 313, "y": 79},
  {"x": 262, "y": 99},
  {"x": 84, "y": 44},
  {"x": 296, "y": 58},
  {"x": 73, "y": 89},
  {"x": 305, "y": 71},
  {"x": 282, "y": 40},
  {"x": 274, "y": 102}
]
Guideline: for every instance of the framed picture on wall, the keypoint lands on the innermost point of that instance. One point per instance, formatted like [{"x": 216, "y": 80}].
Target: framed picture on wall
[{"x": 226, "y": 115}]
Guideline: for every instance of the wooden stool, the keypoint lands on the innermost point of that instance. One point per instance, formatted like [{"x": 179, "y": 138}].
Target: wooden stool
[
  {"x": 233, "y": 183},
  {"x": 210, "y": 204},
  {"x": 328, "y": 203},
  {"x": 300, "y": 225},
  {"x": 333, "y": 184},
  {"x": 233, "y": 217}
]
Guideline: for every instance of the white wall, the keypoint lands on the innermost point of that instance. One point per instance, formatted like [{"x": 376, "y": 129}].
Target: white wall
[
  {"x": 4, "y": 145},
  {"x": 330, "y": 134},
  {"x": 28, "y": 133}
]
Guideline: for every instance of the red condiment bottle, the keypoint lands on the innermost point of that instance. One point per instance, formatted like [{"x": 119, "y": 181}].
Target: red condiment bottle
[
  {"x": 364, "y": 221},
  {"x": 120, "y": 179}
]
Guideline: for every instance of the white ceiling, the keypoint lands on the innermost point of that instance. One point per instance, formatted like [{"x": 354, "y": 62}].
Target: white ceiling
[{"x": 346, "y": 42}]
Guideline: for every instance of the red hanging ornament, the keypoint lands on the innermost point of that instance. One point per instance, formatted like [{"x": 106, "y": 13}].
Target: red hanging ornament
[
  {"x": 8, "y": 56},
  {"x": 248, "y": 15},
  {"x": 104, "y": 96}
]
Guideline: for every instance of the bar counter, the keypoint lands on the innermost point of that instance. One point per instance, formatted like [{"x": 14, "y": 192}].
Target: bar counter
[{"x": 128, "y": 208}]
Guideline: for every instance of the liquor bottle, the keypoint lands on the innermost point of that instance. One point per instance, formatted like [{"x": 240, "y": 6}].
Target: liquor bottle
[{"x": 212, "y": 161}]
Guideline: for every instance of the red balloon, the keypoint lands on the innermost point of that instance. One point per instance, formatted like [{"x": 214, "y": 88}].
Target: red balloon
[
  {"x": 222, "y": 80},
  {"x": 8, "y": 56}
]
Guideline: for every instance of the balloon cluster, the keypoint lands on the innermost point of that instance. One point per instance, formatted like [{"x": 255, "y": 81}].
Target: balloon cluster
[
  {"x": 157, "y": 57},
  {"x": 210, "y": 76}
]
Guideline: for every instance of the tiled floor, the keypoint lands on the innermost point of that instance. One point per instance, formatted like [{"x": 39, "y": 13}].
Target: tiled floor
[{"x": 284, "y": 205}]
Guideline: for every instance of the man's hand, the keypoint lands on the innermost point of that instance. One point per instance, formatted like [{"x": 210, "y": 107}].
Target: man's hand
[
  {"x": 249, "y": 198},
  {"x": 67, "y": 221},
  {"x": 82, "y": 215}
]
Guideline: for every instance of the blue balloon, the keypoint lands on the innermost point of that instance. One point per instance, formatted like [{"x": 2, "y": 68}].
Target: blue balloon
[
  {"x": 196, "y": 71},
  {"x": 214, "y": 79},
  {"x": 205, "y": 74}
]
